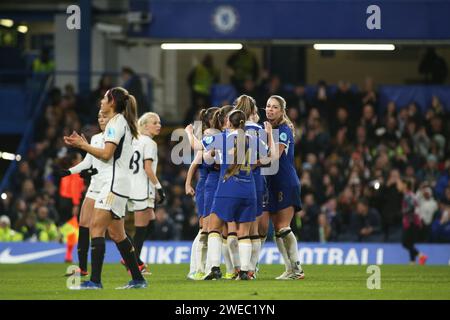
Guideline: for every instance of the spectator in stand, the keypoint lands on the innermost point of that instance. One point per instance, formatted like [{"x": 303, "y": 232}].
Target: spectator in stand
[
  {"x": 427, "y": 207},
  {"x": 309, "y": 228},
  {"x": 243, "y": 65},
  {"x": 368, "y": 95},
  {"x": 442, "y": 182},
  {"x": 133, "y": 84},
  {"x": 298, "y": 100},
  {"x": 45, "y": 227},
  {"x": 390, "y": 202},
  {"x": 321, "y": 101},
  {"x": 433, "y": 67},
  {"x": 411, "y": 223},
  {"x": 366, "y": 223},
  {"x": 201, "y": 79},
  {"x": 370, "y": 122},
  {"x": 430, "y": 172},
  {"x": 6, "y": 233},
  {"x": 27, "y": 227},
  {"x": 345, "y": 98},
  {"x": 163, "y": 228},
  {"x": 43, "y": 63}
]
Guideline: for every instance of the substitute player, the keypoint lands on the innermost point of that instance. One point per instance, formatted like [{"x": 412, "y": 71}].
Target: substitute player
[
  {"x": 284, "y": 189},
  {"x": 110, "y": 206}
]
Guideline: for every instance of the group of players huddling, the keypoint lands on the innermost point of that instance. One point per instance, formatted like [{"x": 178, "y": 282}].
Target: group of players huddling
[{"x": 234, "y": 199}]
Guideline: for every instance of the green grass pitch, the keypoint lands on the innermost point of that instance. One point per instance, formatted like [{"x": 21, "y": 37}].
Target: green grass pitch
[{"x": 46, "y": 281}]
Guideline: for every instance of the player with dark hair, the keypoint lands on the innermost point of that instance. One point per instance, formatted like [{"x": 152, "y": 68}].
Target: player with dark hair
[
  {"x": 110, "y": 205},
  {"x": 198, "y": 249},
  {"x": 89, "y": 167}
]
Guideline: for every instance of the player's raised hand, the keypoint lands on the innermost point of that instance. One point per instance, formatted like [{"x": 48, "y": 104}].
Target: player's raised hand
[
  {"x": 74, "y": 140},
  {"x": 268, "y": 127}
]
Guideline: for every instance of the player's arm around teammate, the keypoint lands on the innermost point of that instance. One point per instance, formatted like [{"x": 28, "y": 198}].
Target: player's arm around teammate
[{"x": 110, "y": 205}]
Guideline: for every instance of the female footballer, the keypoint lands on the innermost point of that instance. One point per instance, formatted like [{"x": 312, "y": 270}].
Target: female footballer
[
  {"x": 110, "y": 206},
  {"x": 284, "y": 189}
]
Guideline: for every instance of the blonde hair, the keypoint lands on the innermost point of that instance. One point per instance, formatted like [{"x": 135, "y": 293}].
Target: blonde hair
[
  {"x": 143, "y": 120},
  {"x": 246, "y": 104},
  {"x": 284, "y": 119}
]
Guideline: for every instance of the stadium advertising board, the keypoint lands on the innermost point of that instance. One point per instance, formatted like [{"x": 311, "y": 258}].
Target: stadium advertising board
[{"x": 172, "y": 252}]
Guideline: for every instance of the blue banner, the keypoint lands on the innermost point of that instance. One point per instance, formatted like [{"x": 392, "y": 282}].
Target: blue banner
[
  {"x": 295, "y": 19},
  {"x": 171, "y": 252}
]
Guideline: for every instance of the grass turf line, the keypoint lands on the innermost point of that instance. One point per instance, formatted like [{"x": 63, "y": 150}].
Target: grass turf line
[{"x": 46, "y": 281}]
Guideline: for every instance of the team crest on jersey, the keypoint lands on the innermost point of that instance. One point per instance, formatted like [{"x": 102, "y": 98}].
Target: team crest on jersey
[
  {"x": 283, "y": 136},
  {"x": 110, "y": 133},
  {"x": 209, "y": 139}
]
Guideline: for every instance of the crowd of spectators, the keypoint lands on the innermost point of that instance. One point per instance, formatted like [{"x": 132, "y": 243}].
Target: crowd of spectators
[{"x": 352, "y": 155}]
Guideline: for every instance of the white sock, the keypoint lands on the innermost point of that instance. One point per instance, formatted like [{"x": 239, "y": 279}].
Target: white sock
[
  {"x": 202, "y": 249},
  {"x": 193, "y": 264},
  {"x": 245, "y": 253},
  {"x": 263, "y": 240},
  {"x": 227, "y": 256},
  {"x": 282, "y": 249},
  {"x": 290, "y": 242},
  {"x": 256, "y": 249},
  {"x": 214, "y": 250},
  {"x": 233, "y": 247}
]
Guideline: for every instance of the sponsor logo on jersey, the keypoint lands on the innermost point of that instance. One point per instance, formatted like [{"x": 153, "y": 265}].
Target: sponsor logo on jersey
[{"x": 283, "y": 137}]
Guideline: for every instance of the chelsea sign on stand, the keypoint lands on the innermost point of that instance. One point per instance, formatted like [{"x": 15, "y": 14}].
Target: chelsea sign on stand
[{"x": 225, "y": 19}]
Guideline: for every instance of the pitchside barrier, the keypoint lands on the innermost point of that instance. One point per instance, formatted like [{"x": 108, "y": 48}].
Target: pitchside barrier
[{"x": 174, "y": 252}]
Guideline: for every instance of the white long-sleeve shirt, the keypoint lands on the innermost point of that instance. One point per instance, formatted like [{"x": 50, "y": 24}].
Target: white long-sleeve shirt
[
  {"x": 97, "y": 180},
  {"x": 427, "y": 207}
]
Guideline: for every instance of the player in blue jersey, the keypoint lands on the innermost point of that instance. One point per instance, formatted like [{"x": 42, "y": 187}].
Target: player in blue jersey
[
  {"x": 284, "y": 189},
  {"x": 235, "y": 198},
  {"x": 230, "y": 248},
  {"x": 198, "y": 252},
  {"x": 248, "y": 105}
]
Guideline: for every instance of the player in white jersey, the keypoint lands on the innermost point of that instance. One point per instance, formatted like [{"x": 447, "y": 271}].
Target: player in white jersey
[
  {"x": 144, "y": 184},
  {"x": 110, "y": 205},
  {"x": 93, "y": 167}
]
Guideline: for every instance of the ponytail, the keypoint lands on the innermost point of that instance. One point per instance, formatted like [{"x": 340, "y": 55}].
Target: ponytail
[
  {"x": 125, "y": 103},
  {"x": 246, "y": 104},
  {"x": 239, "y": 157},
  {"x": 237, "y": 119},
  {"x": 130, "y": 115}
]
